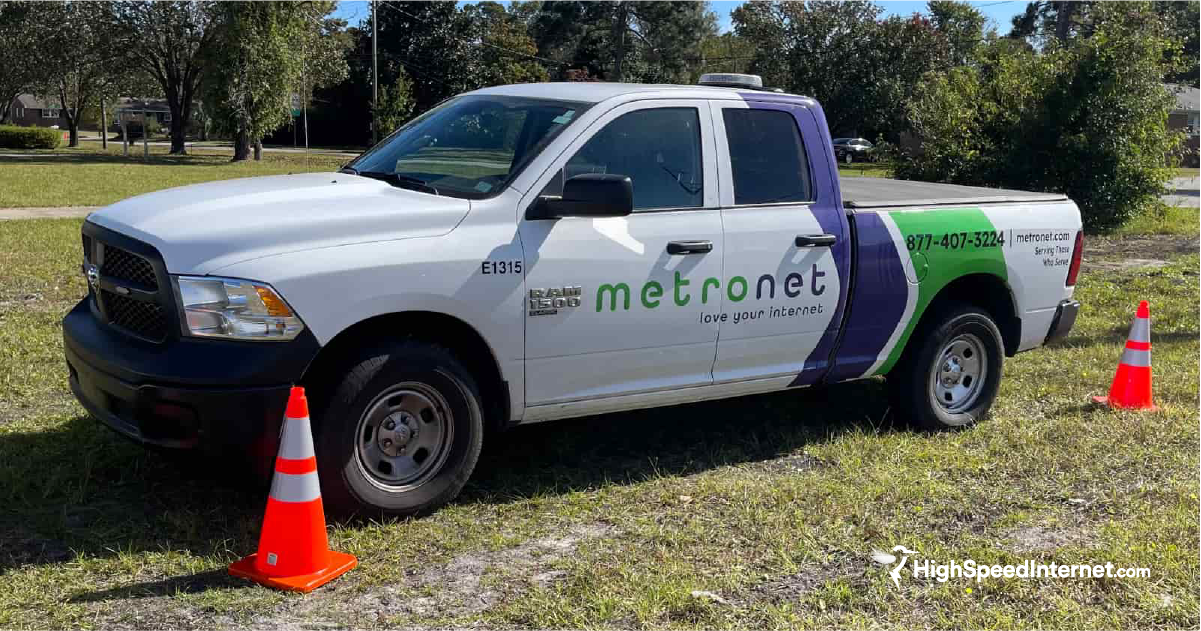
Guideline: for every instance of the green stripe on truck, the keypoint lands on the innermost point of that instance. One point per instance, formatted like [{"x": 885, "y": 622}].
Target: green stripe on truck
[{"x": 949, "y": 243}]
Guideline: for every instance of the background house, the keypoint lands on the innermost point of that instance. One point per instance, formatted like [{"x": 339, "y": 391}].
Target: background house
[
  {"x": 29, "y": 110},
  {"x": 1185, "y": 117},
  {"x": 132, "y": 111}
]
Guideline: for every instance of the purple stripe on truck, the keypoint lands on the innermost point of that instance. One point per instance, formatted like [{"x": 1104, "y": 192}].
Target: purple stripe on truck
[
  {"x": 827, "y": 209},
  {"x": 878, "y": 303}
]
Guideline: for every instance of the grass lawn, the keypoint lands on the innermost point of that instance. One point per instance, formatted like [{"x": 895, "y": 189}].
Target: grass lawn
[
  {"x": 1174, "y": 220},
  {"x": 771, "y": 503},
  {"x": 89, "y": 176},
  {"x": 865, "y": 169}
]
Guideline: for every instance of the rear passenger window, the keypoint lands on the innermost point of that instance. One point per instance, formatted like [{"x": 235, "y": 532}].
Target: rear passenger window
[
  {"x": 660, "y": 149},
  {"x": 767, "y": 159}
]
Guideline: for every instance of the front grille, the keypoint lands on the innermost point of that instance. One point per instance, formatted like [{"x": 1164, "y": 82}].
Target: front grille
[
  {"x": 127, "y": 295},
  {"x": 127, "y": 266},
  {"x": 144, "y": 319}
]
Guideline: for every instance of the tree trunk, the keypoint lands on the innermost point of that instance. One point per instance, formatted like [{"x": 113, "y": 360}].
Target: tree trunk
[
  {"x": 178, "y": 127},
  {"x": 103, "y": 124},
  {"x": 1063, "y": 18},
  {"x": 617, "y": 32},
  {"x": 258, "y": 150},
  {"x": 73, "y": 126},
  {"x": 241, "y": 146}
]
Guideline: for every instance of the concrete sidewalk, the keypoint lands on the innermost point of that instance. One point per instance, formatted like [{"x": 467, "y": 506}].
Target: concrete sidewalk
[{"x": 46, "y": 213}]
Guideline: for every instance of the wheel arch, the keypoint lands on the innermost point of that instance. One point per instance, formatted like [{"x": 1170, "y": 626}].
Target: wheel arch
[
  {"x": 462, "y": 339},
  {"x": 989, "y": 292}
]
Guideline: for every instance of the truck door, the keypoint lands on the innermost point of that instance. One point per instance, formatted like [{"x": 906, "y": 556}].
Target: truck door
[
  {"x": 614, "y": 305},
  {"x": 787, "y": 251}
]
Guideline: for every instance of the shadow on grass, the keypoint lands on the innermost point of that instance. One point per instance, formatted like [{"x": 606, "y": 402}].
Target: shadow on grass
[
  {"x": 629, "y": 447},
  {"x": 79, "y": 489},
  {"x": 190, "y": 584},
  {"x": 1118, "y": 335}
]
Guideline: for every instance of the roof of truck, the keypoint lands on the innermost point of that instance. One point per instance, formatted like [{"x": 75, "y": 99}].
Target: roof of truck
[
  {"x": 597, "y": 91},
  {"x": 876, "y": 192}
]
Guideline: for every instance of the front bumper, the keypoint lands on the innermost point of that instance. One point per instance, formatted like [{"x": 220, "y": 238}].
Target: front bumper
[
  {"x": 1065, "y": 317},
  {"x": 186, "y": 392}
]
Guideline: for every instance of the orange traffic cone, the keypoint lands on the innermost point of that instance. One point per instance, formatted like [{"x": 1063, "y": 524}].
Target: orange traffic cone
[
  {"x": 294, "y": 552},
  {"x": 1132, "y": 384}
]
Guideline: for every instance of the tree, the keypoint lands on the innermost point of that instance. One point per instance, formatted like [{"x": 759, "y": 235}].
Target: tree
[
  {"x": 1087, "y": 118},
  {"x": 431, "y": 42},
  {"x": 1181, "y": 21},
  {"x": 395, "y": 106},
  {"x": 860, "y": 68},
  {"x": 17, "y": 74},
  {"x": 168, "y": 40},
  {"x": 257, "y": 57},
  {"x": 727, "y": 52},
  {"x": 625, "y": 40},
  {"x": 507, "y": 53},
  {"x": 79, "y": 54},
  {"x": 961, "y": 24}
]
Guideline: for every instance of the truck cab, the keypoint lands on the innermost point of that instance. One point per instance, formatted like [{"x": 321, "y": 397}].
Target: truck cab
[{"x": 534, "y": 252}]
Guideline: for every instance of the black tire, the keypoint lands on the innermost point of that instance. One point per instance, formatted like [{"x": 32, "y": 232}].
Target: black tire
[
  {"x": 405, "y": 371},
  {"x": 920, "y": 377},
  {"x": 848, "y": 158}
]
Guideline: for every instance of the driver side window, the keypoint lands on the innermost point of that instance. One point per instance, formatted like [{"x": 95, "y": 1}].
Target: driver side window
[{"x": 659, "y": 149}]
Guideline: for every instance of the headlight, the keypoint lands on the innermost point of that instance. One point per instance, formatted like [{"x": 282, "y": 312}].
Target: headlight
[{"x": 236, "y": 309}]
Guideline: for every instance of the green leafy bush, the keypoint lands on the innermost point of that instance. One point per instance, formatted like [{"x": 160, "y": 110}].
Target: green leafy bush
[
  {"x": 13, "y": 137},
  {"x": 1087, "y": 118}
]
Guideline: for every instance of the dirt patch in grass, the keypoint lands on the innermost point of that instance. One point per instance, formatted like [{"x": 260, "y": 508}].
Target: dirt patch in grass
[
  {"x": 456, "y": 589},
  {"x": 1110, "y": 253},
  {"x": 1047, "y": 539},
  {"x": 795, "y": 463},
  {"x": 812, "y": 577}
]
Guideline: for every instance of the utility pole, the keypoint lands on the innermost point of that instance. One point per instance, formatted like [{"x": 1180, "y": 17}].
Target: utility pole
[
  {"x": 374, "y": 74},
  {"x": 103, "y": 123}
]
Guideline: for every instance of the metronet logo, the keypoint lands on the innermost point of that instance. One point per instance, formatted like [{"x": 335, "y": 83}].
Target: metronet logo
[
  {"x": 1028, "y": 569},
  {"x": 792, "y": 285}
]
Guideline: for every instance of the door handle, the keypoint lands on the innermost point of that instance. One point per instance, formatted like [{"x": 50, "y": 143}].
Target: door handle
[
  {"x": 689, "y": 247},
  {"x": 811, "y": 240}
]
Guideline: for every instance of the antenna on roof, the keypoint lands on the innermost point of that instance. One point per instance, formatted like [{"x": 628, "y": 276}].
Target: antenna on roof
[{"x": 733, "y": 80}]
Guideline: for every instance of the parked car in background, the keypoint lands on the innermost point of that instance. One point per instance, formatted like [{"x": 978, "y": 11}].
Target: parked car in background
[{"x": 848, "y": 150}]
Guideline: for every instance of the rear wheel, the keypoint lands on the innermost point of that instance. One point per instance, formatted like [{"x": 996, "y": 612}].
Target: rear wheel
[
  {"x": 401, "y": 433},
  {"x": 846, "y": 157},
  {"x": 950, "y": 372}
]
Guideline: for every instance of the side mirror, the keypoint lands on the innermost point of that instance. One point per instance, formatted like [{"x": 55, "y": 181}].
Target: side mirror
[{"x": 588, "y": 195}]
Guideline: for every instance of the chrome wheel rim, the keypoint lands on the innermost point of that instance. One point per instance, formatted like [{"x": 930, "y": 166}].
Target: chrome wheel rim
[
  {"x": 404, "y": 436},
  {"x": 959, "y": 373}
]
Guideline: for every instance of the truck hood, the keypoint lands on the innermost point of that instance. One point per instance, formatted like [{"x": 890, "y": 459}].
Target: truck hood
[{"x": 201, "y": 228}]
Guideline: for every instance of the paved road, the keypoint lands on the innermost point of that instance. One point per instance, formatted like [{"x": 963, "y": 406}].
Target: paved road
[
  {"x": 46, "y": 213},
  {"x": 137, "y": 146},
  {"x": 1185, "y": 192}
]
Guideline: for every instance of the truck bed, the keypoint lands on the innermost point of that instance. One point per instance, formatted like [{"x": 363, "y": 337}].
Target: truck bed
[{"x": 868, "y": 193}]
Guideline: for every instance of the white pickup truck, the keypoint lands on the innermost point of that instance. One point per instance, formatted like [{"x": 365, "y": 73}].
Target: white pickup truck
[{"x": 527, "y": 253}]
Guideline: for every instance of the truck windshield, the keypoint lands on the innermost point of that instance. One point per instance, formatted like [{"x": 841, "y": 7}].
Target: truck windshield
[{"x": 470, "y": 146}]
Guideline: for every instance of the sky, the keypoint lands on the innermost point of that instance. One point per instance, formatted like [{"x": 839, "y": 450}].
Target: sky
[{"x": 999, "y": 13}]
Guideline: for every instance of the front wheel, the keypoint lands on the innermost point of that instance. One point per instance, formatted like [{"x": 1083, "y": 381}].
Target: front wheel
[
  {"x": 950, "y": 373},
  {"x": 401, "y": 433}
]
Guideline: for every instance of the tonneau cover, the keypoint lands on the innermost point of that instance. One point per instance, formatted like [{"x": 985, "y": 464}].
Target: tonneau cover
[{"x": 875, "y": 192}]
